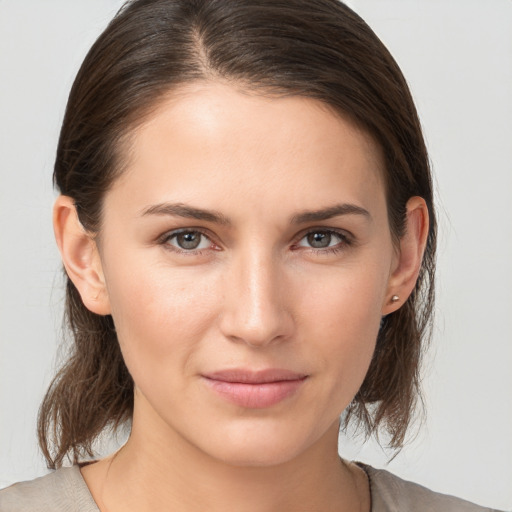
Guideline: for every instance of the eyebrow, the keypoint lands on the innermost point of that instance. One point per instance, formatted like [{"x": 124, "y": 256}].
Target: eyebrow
[
  {"x": 190, "y": 212},
  {"x": 329, "y": 213}
]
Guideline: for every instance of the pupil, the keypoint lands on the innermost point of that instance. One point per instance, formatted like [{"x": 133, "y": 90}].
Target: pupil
[
  {"x": 189, "y": 240},
  {"x": 319, "y": 240}
]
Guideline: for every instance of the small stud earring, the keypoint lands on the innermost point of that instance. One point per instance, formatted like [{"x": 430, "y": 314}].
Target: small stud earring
[{"x": 395, "y": 298}]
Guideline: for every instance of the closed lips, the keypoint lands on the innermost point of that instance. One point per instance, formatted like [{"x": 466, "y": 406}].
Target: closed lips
[
  {"x": 255, "y": 377},
  {"x": 255, "y": 390}
]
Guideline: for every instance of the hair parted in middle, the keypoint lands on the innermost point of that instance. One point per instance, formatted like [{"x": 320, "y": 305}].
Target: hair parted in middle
[{"x": 317, "y": 49}]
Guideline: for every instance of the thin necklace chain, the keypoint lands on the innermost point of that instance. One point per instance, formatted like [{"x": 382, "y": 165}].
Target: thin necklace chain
[{"x": 359, "y": 492}]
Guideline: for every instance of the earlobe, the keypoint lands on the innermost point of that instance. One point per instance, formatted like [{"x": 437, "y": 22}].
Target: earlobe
[
  {"x": 80, "y": 256},
  {"x": 410, "y": 255}
]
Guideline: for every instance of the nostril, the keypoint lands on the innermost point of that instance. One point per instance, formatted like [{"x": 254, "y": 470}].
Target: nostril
[
  {"x": 254, "y": 308},
  {"x": 262, "y": 329}
]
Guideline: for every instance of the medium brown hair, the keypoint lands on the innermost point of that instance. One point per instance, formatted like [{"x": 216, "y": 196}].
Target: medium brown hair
[{"x": 312, "y": 48}]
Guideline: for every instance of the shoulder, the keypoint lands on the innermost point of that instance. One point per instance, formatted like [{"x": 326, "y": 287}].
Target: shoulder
[
  {"x": 392, "y": 494},
  {"x": 61, "y": 490}
]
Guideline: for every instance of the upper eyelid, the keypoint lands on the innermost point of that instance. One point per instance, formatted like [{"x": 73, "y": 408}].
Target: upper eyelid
[
  {"x": 173, "y": 232},
  {"x": 346, "y": 240},
  {"x": 342, "y": 233},
  {"x": 168, "y": 235}
]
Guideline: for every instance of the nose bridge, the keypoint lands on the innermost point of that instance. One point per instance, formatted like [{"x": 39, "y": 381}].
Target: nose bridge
[{"x": 255, "y": 309}]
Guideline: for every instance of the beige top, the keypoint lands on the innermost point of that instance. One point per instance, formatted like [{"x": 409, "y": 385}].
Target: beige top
[{"x": 65, "y": 490}]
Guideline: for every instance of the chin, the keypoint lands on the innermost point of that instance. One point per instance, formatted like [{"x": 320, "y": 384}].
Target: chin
[
  {"x": 258, "y": 445},
  {"x": 264, "y": 455}
]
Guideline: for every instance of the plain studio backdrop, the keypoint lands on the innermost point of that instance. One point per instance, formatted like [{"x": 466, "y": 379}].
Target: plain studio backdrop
[{"x": 457, "y": 57}]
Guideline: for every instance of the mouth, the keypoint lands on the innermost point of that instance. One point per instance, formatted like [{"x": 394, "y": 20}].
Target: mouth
[{"x": 255, "y": 389}]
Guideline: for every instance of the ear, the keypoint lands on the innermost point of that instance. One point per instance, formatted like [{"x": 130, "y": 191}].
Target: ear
[
  {"x": 80, "y": 256},
  {"x": 409, "y": 257}
]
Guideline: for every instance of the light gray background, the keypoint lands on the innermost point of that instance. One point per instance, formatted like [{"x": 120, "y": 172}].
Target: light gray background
[{"x": 457, "y": 56}]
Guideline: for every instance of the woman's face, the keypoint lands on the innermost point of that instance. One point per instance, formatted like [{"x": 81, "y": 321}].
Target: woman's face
[{"x": 247, "y": 259}]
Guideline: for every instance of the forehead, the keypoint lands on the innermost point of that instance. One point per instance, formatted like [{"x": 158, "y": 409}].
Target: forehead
[{"x": 212, "y": 141}]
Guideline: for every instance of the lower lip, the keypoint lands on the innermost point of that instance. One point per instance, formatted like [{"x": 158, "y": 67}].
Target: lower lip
[{"x": 255, "y": 396}]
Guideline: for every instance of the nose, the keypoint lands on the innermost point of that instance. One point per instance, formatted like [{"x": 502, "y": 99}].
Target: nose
[{"x": 255, "y": 302}]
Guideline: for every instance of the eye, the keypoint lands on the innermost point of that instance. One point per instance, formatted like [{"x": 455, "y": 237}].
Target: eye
[
  {"x": 189, "y": 240},
  {"x": 322, "y": 239}
]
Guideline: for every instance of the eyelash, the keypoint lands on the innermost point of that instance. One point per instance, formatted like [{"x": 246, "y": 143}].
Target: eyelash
[
  {"x": 164, "y": 240},
  {"x": 345, "y": 241}
]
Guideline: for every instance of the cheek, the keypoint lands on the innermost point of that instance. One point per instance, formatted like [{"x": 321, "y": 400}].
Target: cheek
[
  {"x": 347, "y": 299},
  {"x": 158, "y": 312},
  {"x": 344, "y": 319}
]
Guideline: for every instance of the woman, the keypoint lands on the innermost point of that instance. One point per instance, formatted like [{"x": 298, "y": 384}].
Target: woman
[{"x": 247, "y": 227}]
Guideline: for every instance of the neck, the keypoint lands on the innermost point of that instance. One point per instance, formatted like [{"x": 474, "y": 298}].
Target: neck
[{"x": 158, "y": 470}]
